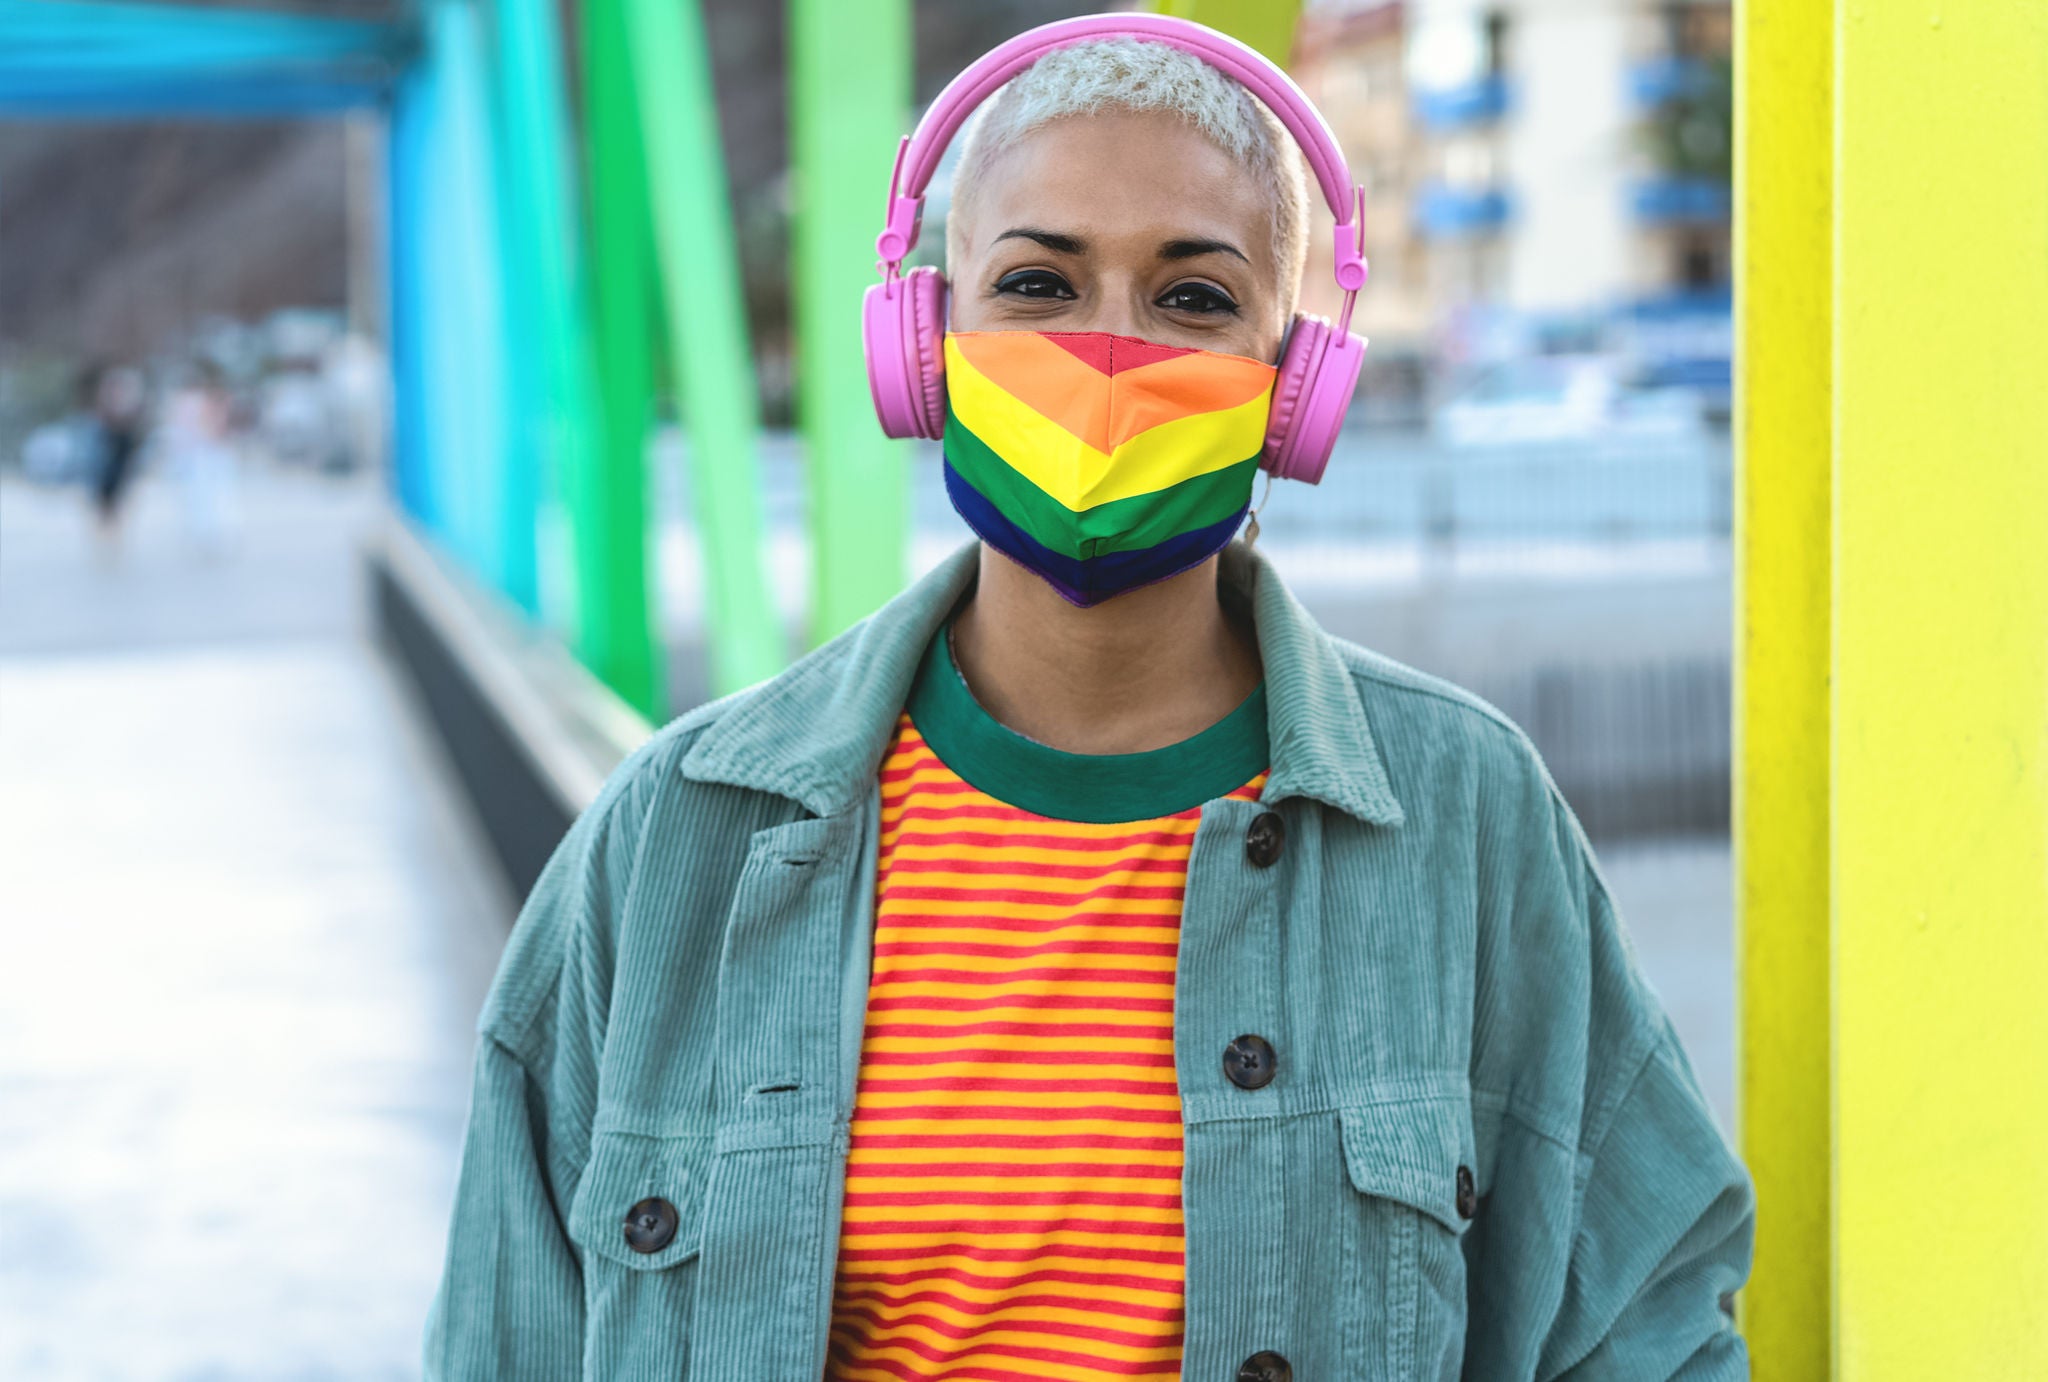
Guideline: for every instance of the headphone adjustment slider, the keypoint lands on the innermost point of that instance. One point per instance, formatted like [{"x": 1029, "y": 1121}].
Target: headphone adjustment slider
[
  {"x": 905, "y": 214},
  {"x": 1348, "y": 253},
  {"x": 1349, "y": 263},
  {"x": 906, "y": 218}
]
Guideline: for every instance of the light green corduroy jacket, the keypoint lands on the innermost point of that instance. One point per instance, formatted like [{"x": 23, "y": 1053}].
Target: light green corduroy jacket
[{"x": 1483, "y": 1153}]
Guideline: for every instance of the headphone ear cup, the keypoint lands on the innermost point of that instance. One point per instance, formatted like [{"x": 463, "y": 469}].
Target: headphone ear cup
[
  {"x": 1298, "y": 359},
  {"x": 925, "y": 304},
  {"x": 881, "y": 331},
  {"x": 903, "y": 327},
  {"x": 1311, "y": 394}
]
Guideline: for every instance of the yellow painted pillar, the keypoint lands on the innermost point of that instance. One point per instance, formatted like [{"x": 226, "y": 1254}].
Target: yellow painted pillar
[
  {"x": 1940, "y": 729},
  {"x": 1892, "y": 318},
  {"x": 1784, "y": 156}
]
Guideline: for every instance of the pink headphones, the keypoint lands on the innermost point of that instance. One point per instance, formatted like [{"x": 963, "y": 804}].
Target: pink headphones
[{"x": 903, "y": 318}]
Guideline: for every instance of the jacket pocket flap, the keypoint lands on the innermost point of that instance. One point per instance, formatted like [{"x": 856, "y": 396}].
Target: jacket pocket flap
[
  {"x": 626, "y": 1169},
  {"x": 1417, "y": 1151}
]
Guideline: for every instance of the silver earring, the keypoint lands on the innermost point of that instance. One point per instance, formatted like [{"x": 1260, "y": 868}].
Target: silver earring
[{"x": 1251, "y": 529}]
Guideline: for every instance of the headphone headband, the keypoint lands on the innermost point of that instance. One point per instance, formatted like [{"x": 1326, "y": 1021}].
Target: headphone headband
[{"x": 917, "y": 157}]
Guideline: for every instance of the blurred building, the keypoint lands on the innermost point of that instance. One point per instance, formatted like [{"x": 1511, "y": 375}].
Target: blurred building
[{"x": 1541, "y": 174}]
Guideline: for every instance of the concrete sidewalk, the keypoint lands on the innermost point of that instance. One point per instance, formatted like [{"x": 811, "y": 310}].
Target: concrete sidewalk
[{"x": 248, "y": 926}]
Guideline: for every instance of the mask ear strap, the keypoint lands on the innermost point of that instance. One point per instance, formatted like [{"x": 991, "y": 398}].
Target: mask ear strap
[{"x": 1251, "y": 529}]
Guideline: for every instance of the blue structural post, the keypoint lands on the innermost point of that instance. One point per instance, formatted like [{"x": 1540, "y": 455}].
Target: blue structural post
[
  {"x": 466, "y": 330},
  {"x": 547, "y": 394},
  {"x": 412, "y": 481}
]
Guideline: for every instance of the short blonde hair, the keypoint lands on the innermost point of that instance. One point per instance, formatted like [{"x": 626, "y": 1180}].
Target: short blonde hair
[{"x": 1140, "y": 75}]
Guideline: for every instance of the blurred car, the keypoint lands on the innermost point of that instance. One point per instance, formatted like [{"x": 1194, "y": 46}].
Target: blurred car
[
  {"x": 296, "y": 420},
  {"x": 67, "y": 451},
  {"x": 1565, "y": 398}
]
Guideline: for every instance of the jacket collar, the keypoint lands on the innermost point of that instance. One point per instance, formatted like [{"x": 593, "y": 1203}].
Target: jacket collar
[{"x": 817, "y": 732}]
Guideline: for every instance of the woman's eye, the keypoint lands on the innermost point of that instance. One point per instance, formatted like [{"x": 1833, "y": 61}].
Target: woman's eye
[
  {"x": 1034, "y": 283},
  {"x": 1196, "y": 297}
]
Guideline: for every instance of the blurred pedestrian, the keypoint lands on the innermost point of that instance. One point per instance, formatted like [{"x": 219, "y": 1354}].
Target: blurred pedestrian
[
  {"x": 119, "y": 397},
  {"x": 200, "y": 452}
]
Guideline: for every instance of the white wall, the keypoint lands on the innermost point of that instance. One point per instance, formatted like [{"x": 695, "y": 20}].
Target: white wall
[{"x": 1567, "y": 151}]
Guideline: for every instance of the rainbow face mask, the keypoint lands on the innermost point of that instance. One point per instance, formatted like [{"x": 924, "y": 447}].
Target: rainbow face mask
[{"x": 1101, "y": 462}]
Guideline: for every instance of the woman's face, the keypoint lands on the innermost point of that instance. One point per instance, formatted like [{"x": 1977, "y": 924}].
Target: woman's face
[{"x": 1123, "y": 221}]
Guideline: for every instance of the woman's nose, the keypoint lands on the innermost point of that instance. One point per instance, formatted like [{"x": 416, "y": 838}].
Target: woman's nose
[{"x": 1116, "y": 309}]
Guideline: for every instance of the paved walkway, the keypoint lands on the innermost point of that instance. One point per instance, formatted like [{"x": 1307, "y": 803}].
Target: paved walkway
[{"x": 247, "y": 927}]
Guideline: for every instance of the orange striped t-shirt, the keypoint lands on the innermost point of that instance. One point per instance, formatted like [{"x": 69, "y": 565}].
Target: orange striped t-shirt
[{"x": 1012, "y": 1205}]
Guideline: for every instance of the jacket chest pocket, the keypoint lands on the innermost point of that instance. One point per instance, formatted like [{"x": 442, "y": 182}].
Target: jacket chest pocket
[
  {"x": 637, "y": 1222},
  {"x": 1412, "y": 1169}
]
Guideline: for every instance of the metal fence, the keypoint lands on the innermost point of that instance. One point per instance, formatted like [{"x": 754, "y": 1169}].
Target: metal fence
[{"x": 1581, "y": 588}]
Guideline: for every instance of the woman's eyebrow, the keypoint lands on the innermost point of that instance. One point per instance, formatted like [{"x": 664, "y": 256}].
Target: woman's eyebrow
[
  {"x": 1191, "y": 249},
  {"x": 1052, "y": 240}
]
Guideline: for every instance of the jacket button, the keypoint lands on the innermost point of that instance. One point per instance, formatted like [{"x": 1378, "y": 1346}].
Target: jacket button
[
  {"x": 1262, "y": 842},
  {"x": 650, "y": 1225},
  {"x": 1249, "y": 1062},
  {"x": 1468, "y": 1194},
  {"x": 1265, "y": 1366}
]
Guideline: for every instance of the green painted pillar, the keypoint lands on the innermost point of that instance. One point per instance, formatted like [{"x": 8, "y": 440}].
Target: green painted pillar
[
  {"x": 709, "y": 350},
  {"x": 614, "y": 575},
  {"x": 849, "y": 82}
]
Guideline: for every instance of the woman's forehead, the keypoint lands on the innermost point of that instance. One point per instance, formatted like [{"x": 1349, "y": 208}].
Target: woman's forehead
[{"x": 1123, "y": 173}]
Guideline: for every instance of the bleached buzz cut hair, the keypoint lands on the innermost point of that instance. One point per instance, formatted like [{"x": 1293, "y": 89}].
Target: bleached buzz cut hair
[{"x": 1139, "y": 75}]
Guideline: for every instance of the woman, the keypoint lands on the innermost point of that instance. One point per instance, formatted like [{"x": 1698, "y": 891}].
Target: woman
[{"x": 1085, "y": 966}]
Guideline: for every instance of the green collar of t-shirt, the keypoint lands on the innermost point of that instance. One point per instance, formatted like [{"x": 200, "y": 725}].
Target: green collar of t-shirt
[{"x": 1094, "y": 787}]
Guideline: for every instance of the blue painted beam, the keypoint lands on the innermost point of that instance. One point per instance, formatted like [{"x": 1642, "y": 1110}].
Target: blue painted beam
[{"x": 71, "y": 58}]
